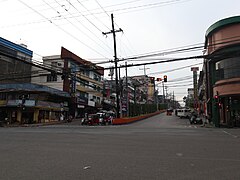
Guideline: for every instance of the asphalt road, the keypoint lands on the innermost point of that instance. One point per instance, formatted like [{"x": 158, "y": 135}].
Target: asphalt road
[{"x": 161, "y": 147}]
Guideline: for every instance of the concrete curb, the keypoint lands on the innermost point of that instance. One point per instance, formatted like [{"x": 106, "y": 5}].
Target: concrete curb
[{"x": 36, "y": 124}]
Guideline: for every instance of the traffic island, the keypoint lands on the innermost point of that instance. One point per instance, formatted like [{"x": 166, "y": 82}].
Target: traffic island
[{"x": 127, "y": 120}]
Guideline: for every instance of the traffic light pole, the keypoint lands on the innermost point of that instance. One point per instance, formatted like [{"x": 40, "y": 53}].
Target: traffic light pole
[
  {"x": 113, "y": 31},
  {"x": 163, "y": 92}
]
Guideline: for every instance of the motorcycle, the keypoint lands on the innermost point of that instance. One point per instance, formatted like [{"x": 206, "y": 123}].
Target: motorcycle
[
  {"x": 84, "y": 121},
  {"x": 69, "y": 119},
  {"x": 92, "y": 119},
  {"x": 194, "y": 119}
]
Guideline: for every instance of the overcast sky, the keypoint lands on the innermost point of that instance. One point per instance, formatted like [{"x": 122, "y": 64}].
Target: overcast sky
[{"x": 149, "y": 26}]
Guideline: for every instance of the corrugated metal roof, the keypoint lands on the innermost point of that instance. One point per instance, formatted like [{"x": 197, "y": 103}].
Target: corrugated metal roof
[
  {"x": 16, "y": 47},
  {"x": 32, "y": 87}
]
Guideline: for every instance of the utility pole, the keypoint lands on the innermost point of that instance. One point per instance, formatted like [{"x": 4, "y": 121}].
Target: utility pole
[
  {"x": 195, "y": 70},
  {"x": 173, "y": 100},
  {"x": 120, "y": 91},
  {"x": 126, "y": 90},
  {"x": 144, "y": 69},
  {"x": 167, "y": 96},
  {"x": 113, "y": 31}
]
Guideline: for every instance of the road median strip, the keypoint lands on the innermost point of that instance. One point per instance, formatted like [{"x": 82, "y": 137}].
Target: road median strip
[{"x": 127, "y": 120}]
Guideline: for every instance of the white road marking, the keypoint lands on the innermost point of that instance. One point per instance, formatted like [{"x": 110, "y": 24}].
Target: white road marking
[
  {"x": 87, "y": 167},
  {"x": 230, "y": 134},
  {"x": 179, "y": 154},
  {"x": 190, "y": 126}
]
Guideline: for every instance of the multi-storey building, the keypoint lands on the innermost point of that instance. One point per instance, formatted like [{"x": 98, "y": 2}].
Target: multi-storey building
[
  {"x": 15, "y": 61},
  {"x": 81, "y": 78},
  {"x": 20, "y": 100},
  {"x": 147, "y": 86},
  {"x": 222, "y": 71},
  {"x": 133, "y": 92}
]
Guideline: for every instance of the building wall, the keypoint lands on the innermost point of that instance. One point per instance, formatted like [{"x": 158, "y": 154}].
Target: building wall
[
  {"x": 227, "y": 35},
  {"x": 223, "y": 77},
  {"x": 227, "y": 87},
  {"x": 53, "y": 62},
  {"x": 14, "y": 61},
  {"x": 86, "y": 84}
]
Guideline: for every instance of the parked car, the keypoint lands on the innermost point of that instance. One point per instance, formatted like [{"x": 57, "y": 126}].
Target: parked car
[
  {"x": 183, "y": 113},
  {"x": 169, "y": 112}
]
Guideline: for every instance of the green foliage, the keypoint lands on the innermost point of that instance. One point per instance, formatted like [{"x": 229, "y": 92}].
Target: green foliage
[
  {"x": 140, "y": 109},
  {"x": 189, "y": 102}
]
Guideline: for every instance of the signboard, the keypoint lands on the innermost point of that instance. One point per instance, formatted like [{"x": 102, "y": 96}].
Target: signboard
[
  {"x": 80, "y": 106},
  {"x": 18, "y": 102},
  {"x": 29, "y": 103}
]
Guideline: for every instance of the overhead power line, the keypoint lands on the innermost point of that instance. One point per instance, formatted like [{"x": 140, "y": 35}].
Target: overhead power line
[
  {"x": 93, "y": 16},
  {"x": 189, "y": 48},
  {"x": 176, "y": 69},
  {"x": 70, "y": 34},
  {"x": 79, "y": 29}
]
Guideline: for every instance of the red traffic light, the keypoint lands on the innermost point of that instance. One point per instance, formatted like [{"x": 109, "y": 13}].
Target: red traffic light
[
  {"x": 219, "y": 105},
  {"x": 165, "y": 78}
]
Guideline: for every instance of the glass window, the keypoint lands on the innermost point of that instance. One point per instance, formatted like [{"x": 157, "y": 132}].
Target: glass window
[
  {"x": 51, "y": 77},
  {"x": 3, "y": 96},
  {"x": 228, "y": 68},
  {"x": 98, "y": 99}
]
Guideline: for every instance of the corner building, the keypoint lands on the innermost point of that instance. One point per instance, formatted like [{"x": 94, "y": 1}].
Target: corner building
[{"x": 222, "y": 67}]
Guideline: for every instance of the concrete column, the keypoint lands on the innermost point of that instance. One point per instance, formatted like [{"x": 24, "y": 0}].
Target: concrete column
[
  {"x": 215, "y": 110},
  {"x": 19, "y": 115},
  {"x": 35, "y": 115}
]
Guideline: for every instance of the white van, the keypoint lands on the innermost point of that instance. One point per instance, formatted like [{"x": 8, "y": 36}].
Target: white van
[{"x": 183, "y": 113}]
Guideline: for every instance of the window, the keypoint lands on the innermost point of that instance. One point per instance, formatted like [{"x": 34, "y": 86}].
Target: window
[
  {"x": 98, "y": 89},
  {"x": 51, "y": 77},
  {"x": 3, "y": 96},
  {"x": 98, "y": 99},
  {"x": 96, "y": 77},
  {"x": 86, "y": 72},
  {"x": 84, "y": 83},
  {"x": 54, "y": 64},
  {"x": 93, "y": 99},
  {"x": 228, "y": 68}
]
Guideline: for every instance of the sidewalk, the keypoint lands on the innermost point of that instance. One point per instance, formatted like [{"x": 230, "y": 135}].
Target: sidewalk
[
  {"x": 208, "y": 125},
  {"x": 35, "y": 124}
]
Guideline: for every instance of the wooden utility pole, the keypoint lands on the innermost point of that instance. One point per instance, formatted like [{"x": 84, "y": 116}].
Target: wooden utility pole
[{"x": 113, "y": 31}]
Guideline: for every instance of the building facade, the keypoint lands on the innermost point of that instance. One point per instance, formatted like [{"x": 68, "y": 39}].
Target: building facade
[
  {"x": 82, "y": 79},
  {"x": 20, "y": 100},
  {"x": 222, "y": 71}
]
